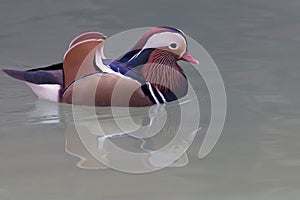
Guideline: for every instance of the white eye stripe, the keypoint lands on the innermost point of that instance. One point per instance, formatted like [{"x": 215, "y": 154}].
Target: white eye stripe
[{"x": 164, "y": 39}]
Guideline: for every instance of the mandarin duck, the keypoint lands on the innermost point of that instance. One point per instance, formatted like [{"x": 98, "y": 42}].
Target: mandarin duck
[{"x": 146, "y": 75}]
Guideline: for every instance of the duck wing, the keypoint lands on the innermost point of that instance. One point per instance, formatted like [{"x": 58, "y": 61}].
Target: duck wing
[{"x": 88, "y": 81}]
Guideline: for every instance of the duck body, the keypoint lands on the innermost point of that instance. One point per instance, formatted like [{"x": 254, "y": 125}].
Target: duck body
[{"x": 148, "y": 74}]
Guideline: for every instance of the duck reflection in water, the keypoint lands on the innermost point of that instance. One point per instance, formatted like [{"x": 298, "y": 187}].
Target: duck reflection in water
[{"x": 146, "y": 140}]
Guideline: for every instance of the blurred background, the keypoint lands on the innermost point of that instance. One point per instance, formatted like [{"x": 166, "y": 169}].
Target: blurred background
[{"x": 255, "y": 44}]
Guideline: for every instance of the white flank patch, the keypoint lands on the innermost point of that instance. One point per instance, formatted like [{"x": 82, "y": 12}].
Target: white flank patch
[{"x": 45, "y": 91}]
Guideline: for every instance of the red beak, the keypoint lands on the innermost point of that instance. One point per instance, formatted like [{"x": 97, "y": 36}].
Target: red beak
[{"x": 189, "y": 58}]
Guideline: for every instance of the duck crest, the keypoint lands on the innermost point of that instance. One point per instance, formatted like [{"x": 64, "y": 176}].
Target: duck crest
[
  {"x": 163, "y": 72},
  {"x": 151, "y": 32}
]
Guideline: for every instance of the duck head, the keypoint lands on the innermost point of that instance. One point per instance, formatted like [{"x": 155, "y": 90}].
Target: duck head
[
  {"x": 168, "y": 39},
  {"x": 157, "y": 53}
]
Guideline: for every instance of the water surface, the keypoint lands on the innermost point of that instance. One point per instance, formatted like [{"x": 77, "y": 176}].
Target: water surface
[{"x": 255, "y": 45}]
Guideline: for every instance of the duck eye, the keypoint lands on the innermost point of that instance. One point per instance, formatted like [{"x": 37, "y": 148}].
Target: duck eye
[{"x": 173, "y": 45}]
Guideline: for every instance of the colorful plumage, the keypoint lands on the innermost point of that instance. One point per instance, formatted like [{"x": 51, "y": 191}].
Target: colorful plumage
[{"x": 148, "y": 74}]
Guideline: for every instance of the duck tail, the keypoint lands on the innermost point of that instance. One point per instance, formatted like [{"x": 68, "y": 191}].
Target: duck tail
[
  {"x": 46, "y": 82},
  {"x": 45, "y": 75}
]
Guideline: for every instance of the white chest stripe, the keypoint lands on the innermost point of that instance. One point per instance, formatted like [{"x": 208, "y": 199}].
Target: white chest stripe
[
  {"x": 152, "y": 93},
  {"x": 161, "y": 95}
]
